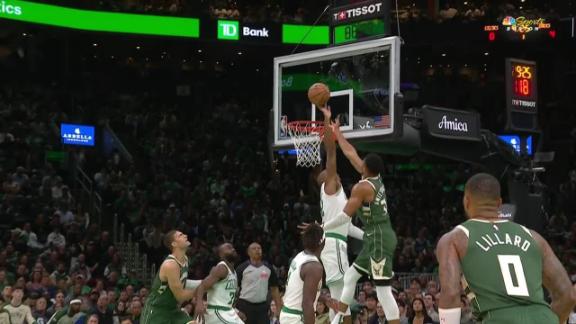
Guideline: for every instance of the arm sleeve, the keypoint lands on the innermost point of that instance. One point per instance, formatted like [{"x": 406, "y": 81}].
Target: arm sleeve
[
  {"x": 340, "y": 219},
  {"x": 355, "y": 232}
]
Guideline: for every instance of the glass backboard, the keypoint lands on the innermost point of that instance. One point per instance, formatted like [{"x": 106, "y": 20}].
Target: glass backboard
[{"x": 362, "y": 78}]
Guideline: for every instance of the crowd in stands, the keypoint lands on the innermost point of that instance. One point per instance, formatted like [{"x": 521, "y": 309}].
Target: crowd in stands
[{"x": 213, "y": 181}]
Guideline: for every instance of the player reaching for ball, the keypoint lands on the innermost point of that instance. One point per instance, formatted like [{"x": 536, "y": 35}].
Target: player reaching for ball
[
  {"x": 368, "y": 199},
  {"x": 332, "y": 201}
]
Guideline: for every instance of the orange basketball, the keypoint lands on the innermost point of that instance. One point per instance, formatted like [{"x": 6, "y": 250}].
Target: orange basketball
[{"x": 319, "y": 94}]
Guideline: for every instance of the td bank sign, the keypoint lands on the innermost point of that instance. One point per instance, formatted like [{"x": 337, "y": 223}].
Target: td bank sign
[{"x": 231, "y": 30}]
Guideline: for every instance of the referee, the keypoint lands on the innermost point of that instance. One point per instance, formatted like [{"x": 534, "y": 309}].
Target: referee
[{"x": 255, "y": 279}]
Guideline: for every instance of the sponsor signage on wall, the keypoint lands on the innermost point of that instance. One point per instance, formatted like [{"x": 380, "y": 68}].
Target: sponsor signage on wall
[
  {"x": 360, "y": 11},
  {"x": 452, "y": 124},
  {"x": 234, "y": 30},
  {"x": 72, "y": 134}
]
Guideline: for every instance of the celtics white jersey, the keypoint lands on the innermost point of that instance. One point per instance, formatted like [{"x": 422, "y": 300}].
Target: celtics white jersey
[
  {"x": 331, "y": 206},
  {"x": 295, "y": 286},
  {"x": 223, "y": 292}
]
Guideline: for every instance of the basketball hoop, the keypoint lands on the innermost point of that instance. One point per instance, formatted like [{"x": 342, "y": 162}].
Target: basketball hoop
[{"x": 307, "y": 136}]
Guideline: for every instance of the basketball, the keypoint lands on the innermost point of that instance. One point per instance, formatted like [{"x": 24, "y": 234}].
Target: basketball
[{"x": 319, "y": 94}]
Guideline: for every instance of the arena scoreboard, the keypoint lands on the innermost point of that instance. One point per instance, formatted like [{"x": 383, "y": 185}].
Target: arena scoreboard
[
  {"x": 355, "y": 31},
  {"x": 360, "y": 21},
  {"x": 521, "y": 94}
]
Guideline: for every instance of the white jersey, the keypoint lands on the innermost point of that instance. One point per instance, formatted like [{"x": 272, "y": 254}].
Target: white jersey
[
  {"x": 295, "y": 286},
  {"x": 332, "y": 206},
  {"x": 19, "y": 314},
  {"x": 223, "y": 293}
]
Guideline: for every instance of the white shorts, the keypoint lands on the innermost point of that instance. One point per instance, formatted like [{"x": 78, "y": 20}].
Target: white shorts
[
  {"x": 286, "y": 318},
  {"x": 335, "y": 257},
  {"x": 217, "y": 316}
]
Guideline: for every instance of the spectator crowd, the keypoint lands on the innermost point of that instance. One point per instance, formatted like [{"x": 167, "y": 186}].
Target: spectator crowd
[{"x": 206, "y": 172}]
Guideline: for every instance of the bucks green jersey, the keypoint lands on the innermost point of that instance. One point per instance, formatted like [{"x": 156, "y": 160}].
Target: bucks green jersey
[
  {"x": 223, "y": 292},
  {"x": 375, "y": 212},
  {"x": 502, "y": 267},
  {"x": 161, "y": 297}
]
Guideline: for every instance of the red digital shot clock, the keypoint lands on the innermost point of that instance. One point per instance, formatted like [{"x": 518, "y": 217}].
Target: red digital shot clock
[{"x": 522, "y": 81}]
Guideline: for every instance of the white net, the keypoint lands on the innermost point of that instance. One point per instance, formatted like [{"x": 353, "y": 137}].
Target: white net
[{"x": 306, "y": 137}]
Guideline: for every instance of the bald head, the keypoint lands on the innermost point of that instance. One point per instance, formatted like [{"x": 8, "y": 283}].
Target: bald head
[
  {"x": 227, "y": 252},
  {"x": 483, "y": 186},
  {"x": 255, "y": 252},
  {"x": 482, "y": 195}
]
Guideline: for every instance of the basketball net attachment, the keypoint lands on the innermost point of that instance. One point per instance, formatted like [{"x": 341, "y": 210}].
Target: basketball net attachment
[{"x": 307, "y": 136}]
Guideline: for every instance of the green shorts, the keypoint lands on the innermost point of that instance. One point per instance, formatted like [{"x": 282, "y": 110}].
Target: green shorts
[
  {"x": 376, "y": 257},
  {"x": 532, "y": 314},
  {"x": 155, "y": 315}
]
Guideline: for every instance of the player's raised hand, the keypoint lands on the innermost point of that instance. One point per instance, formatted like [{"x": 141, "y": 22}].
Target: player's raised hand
[
  {"x": 335, "y": 126},
  {"x": 326, "y": 111}
]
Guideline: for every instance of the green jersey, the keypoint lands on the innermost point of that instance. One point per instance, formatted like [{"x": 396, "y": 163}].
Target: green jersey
[
  {"x": 502, "y": 267},
  {"x": 377, "y": 255},
  {"x": 375, "y": 212},
  {"x": 161, "y": 297}
]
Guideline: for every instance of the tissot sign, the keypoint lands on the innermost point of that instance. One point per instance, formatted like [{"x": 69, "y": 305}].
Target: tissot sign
[
  {"x": 359, "y": 11},
  {"x": 453, "y": 124}
]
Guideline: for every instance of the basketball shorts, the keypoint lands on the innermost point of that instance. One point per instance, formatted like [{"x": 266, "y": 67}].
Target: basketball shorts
[
  {"x": 155, "y": 315},
  {"x": 221, "y": 315},
  {"x": 376, "y": 257},
  {"x": 531, "y": 314},
  {"x": 288, "y": 316},
  {"x": 335, "y": 257}
]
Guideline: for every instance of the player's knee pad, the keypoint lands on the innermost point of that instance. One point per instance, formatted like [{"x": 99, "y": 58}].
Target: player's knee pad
[{"x": 388, "y": 302}]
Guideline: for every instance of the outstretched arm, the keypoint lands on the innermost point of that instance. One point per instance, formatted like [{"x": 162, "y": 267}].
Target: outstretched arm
[
  {"x": 331, "y": 184},
  {"x": 347, "y": 148},
  {"x": 359, "y": 192},
  {"x": 556, "y": 281}
]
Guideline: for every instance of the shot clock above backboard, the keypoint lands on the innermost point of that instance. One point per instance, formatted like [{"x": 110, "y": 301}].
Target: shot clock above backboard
[
  {"x": 521, "y": 94},
  {"x": 522, "y": 83}
]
